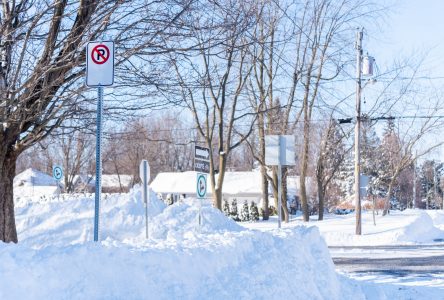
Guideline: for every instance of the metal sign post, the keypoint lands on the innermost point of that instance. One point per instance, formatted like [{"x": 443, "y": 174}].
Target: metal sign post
[
  {"x": 99, "y": 73},
  {"x": 279, "y": 151},
  {"x": 201, "y": 164},
  {"x": 279, "y": 181},
  {"x": 98, "y": 184},
  {"x": 201, "y": 191},
  {"x": 144, "y": 172}
]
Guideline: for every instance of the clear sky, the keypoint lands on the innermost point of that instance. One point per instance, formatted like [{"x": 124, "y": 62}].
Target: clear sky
[{"x": 411, "y": 27}]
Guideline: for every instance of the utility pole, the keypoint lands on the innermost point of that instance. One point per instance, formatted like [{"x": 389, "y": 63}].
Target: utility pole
[{"x": 358, "y": 47}]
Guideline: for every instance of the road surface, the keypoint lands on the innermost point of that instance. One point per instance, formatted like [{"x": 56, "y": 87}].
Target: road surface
[{"x": 404, "y": 264}]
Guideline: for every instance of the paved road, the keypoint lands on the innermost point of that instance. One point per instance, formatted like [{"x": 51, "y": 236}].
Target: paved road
[{"x": 397, "y": 261}]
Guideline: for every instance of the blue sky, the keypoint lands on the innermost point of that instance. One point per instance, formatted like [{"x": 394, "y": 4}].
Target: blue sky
[{"x": 412, "y": 26}]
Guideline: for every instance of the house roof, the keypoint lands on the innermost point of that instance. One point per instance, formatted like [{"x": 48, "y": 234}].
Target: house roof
[
  {"x": 108, "y": 180},
  {"x": 247, "y": 184},
  {"x": 33, "y": 177}
]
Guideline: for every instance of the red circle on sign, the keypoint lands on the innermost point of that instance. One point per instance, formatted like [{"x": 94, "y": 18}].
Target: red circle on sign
[{"x": 100, "y": 54}]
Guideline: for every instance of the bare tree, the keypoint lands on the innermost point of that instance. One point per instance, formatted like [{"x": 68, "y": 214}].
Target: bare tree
[
  {"x": 164, "y": 140},
  {"x": 42, "y": 46},
  {"x": 213, "y": 79},
  {"x": 332, "y": 153},
  {"x": 397, "y": 151}
]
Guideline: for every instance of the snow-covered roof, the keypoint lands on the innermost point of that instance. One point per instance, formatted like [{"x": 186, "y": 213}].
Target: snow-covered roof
[
  {"x": 246, "y": 184},
  {"x": 235, "y": 183},
  {"x": 108, "y": 180},
  {"x": 33, "y": 177},
  {"x": 172, "y": 182}
]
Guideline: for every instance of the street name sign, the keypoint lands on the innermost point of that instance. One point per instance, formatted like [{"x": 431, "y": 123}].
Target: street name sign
[{"x": 201, "y": 159}]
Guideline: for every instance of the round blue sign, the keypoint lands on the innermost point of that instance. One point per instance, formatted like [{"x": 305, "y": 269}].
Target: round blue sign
[
  {"x": 201, "y": 185},
  {"x": 57, "y": 172}
]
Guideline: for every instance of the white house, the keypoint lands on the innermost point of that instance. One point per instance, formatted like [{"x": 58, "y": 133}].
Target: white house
[
  {"x": 240, "y": 185},
  {"x": 32, "y": 182},
  {"x": 111, "y": 183}
]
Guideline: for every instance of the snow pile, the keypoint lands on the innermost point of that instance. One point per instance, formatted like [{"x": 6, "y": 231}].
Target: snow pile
[
  {"x": 420, "y": 230},
  {"x": 406, "y": 227},
  {"x": 64, "y": 221},
  {"x": 292, "y": 264},
  {"x": 182, "y": 260},
  {"x": 181, "y": 219},
  {"x": 438, "y": 218},
  {"x": 218, "y": 259}
]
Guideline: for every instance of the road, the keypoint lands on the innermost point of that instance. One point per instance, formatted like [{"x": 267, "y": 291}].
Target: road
[{"x": 398, "y": 263}]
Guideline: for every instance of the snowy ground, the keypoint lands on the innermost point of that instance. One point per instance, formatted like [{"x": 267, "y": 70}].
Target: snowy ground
[
  {"x": 218, "y": 259},
  {"x": 408, "y": 235}
]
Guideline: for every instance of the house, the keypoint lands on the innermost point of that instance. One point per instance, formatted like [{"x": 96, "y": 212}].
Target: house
[
  {"x": 111, "y": 183},
  {"x": 240, "y": 185},
  {"x": 32, "y": 182}
]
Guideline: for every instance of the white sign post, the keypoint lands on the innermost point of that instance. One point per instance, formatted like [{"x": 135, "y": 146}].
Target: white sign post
[
  {"x": 279, "y": 150},
  {"x": 144, "y": 172},
  {"x": 99, "y": 73}
]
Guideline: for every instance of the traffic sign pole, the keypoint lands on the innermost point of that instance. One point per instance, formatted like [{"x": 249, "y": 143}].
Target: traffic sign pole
[
  {"x": 99, "y": 73},
  {"x": 98, "y": 163},
  {"x": 280, "y": 183}
]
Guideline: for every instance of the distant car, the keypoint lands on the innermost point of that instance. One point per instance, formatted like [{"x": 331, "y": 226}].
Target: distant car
[{"x": 343, "y": 211}]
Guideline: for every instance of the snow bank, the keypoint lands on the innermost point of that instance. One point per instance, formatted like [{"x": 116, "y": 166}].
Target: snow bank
[
  {"x": 181, "y": 219},
  {"x": 292, "y": 264},
  {"x": 406, "y": 227},
  {"x": 437, "y": 217},
  {"x": 420, "y": 230},
  {"x": 182, "y": 260},
  {"x": 64, "y": 221}
]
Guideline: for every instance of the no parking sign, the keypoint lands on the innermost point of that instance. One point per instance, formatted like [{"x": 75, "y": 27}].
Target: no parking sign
[{"x": 100, "y": 64}]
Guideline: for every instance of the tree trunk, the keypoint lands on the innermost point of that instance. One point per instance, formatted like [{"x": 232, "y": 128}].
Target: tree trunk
[
  {"x": 285, "y": 214},
  {"x": 275, "y": 188},
  {"x": 217, "y": 198},
  {"x": 265, "y": 212},
  {"x": 304, "y": 167},
  {"x": 8, "y": 232},
  {"x": 387, "y": 200},
  {"x": 321, "y": 199}
]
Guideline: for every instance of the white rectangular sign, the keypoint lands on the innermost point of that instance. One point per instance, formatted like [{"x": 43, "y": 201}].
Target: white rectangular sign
[
  {"x": 285, "y": 151},
  {"x": 100, "y": 63}
]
